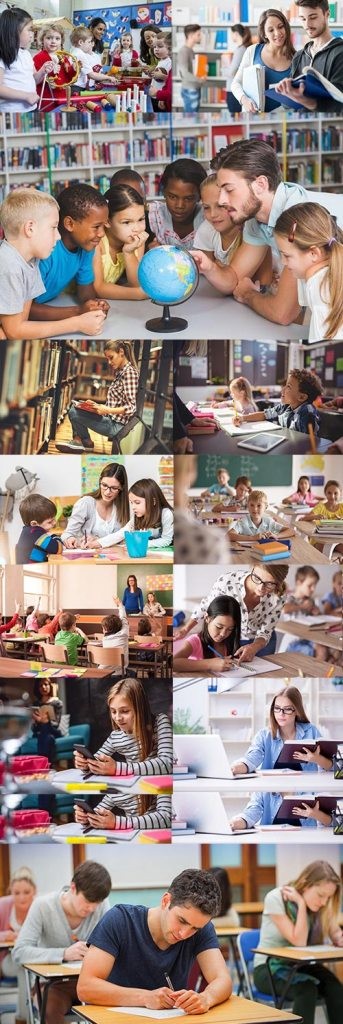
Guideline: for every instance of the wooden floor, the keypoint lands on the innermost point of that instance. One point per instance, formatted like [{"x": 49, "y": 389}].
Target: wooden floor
[{"x": 64, "y": 433}]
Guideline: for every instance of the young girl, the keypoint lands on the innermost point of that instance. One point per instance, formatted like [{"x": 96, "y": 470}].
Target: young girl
[
  {"x": 51, "y": 39},
  {"x": 287, "y": 721},
  {"x": 303, "y": 913},
  {"x": 18, "y": 77},
  {"x": 125, "y": 56},
  {"x": 133, "y": 596},
  {"x": 217, "y": 235},
  {"x": 242, "y": 397},
  {"x": 332, "y": 508},
  {"x": 175, "y": 221},
  {"x": 122, "y": 246},
  {"x": 101, "y": 512},
  {"x": 145, "y": 742},
  {"x": 211, "y": 650},
  {"x": 13, "y": 912},
  {"x": 153, "y": 607},
  {"x": 160, "y": 90},
  {"x": 150, "y": 510},
  {"x": 311, "y": 246},
  {"x": 303, "y": 494}
]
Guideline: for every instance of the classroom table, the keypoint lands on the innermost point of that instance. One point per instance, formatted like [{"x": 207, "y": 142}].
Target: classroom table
[
  {"x": 254, "y": 907},
  {"x": 209, "y": 314},
  {"x": 288, "y": 836},
  {"x": 221, "y": 443},
  {"x": 15, "y": 668},
  {"x": 158, "y": 662},
  {"x": 25, "y": 642},
  {"x": 330, "y": 540},
  {"x": 291, "y": 664},
  {"x": 295, "y": 957},
  {"x": 273, "y": 781},
  {"x": 301, "y": 554},
  {"x": 45, "y": 975},
  {"x": 115, "y": 555},
  {"x": 317, "y": 636},
  {"x": 235, "y": 1010}
]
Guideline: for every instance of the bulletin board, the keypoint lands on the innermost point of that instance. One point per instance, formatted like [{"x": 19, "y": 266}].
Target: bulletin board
[
  {"x": 327, "y": 362},
  {"x": 118, "y": 18}
]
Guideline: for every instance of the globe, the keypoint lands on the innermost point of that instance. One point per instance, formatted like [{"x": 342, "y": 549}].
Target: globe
[{"x": 169, "y": 275}]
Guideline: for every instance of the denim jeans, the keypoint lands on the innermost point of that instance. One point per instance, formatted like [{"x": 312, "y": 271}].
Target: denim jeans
[
  {"x": 191, "y": 100},
  {"x": 268, "y": 649},
  {"x": 82, "y": 422}
]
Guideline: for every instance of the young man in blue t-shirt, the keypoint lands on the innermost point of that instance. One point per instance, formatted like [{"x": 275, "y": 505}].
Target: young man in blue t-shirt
[{"x": 142, "y": 957}]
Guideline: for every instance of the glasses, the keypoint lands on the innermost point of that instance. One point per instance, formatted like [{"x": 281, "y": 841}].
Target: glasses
[
  {"x": 111, "y": 490},
  {"x": 283, "y": 711},
  {"x": 291, "y": 235},
  {"x": 256, "y": 579}
]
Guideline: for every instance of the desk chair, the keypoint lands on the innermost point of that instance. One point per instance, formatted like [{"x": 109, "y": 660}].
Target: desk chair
[
  {"x": 130, "y": 438},
  {"x": 55, "y": 653},
  {"x": 246, "y": 942},
  {"x": 110, "y": 657}
]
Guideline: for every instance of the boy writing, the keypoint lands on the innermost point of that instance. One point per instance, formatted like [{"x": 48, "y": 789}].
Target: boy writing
[
  {"x": 296, "y": 411},
  {"x": 257, "y": 524},
  {"x": 30, "y": 223},
  {"x": 37, "y": 540}
]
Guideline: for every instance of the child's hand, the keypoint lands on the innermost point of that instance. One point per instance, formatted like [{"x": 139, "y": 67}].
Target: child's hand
[
  {"x": 91, "y": 323},
  {"x": 136, "y": 241},
  {"x": 49, "y": 67},
  {"x": 102, "y": 819},
  {"x": 80, "y": 816},
  {"x": 92, "y": 304},
  {"x": 116, "y": 601},
  {"x": 80, "y": 761},
  {"x": 203, "y": 261},
  {"x": 93, "y": 543},
  {"x": 16, "y": 607},
  {"x": 220, "y": 664},
  {"x": 103, "y": 765},
  {"x": 31, "y": 98}
]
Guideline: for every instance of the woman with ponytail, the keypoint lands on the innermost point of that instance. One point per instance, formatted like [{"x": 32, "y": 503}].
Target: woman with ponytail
[
  {"x": 106, "y": 418},
  {"x": 311, "y": 246}
]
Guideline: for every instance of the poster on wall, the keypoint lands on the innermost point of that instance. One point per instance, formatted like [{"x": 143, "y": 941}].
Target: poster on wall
[{"x": 117, "y": 19}]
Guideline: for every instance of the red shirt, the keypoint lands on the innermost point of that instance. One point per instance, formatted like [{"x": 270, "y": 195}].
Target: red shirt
[{"x": 51, "y": 97}]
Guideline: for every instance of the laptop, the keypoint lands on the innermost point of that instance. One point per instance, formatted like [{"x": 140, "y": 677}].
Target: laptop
[
  {"x": 205, "y": 812},
  {"x": 205, "y": 755}
]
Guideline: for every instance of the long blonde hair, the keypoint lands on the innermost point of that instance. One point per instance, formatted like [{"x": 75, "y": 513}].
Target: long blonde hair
[
  {"x": 311, "y": 225},
  {"x": 242, "y": 384},
  {"x": 316, "y": 872}
]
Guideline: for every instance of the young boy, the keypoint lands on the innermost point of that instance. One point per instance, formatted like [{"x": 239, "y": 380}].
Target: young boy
[
  {"x": 83, "y": 215},
  {"x": 222, "y": 487},
  {"x": 296, "y": 411},
  {"x": 332, "y": 602},
  {"x": 37, "y": 540},
  {"x": 82, "y": 47},
  {"x": 302, "y": 599},
  {"x": 257, "y": 524},
  {"x": 115, "y": 628},
  {"x": 70, "y": 636},
  {"x": 30, "y": 223}
]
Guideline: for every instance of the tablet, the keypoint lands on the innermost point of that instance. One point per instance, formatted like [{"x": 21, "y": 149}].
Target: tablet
[{"x": 261, "y": 443}]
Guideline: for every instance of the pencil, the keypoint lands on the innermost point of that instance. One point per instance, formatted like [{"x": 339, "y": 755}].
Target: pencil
[
  {"x": 313, "y": 442},
  {"x": 217, "y": 654}
]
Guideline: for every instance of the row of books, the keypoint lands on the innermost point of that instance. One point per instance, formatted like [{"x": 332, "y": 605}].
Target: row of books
[
  {"x": 26, "y": 368},
  {"x": 29, "y": 430},
  {"x": 303, "y": 172},
  {"x": 150, "y": 148},
  {"x": 57, "y": 155},
  {"x": 65, "y": 397},
  {"x": 213, "y": 94},
  {"x": 195, "y": 146}
]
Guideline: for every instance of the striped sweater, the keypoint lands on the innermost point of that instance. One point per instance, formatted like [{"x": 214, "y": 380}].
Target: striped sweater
[{"x": 160, "y": 762}]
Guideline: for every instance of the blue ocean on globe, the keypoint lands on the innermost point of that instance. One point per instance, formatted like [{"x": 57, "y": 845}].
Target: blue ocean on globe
[{"x": 168, "y": 274}]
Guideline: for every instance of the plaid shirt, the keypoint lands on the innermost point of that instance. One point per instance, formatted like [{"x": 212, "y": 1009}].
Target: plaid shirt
[
  {"x": 123, "y": 391},
  {"x": 294, "y": 419}
]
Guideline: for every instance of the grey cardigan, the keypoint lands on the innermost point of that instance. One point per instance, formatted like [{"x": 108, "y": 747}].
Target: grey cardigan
[{"x": 83, "y": 518}]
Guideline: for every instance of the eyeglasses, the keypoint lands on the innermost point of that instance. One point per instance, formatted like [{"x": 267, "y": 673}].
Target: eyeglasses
[
  {"x": 111, "y": 490},
  {"x": 292, "y": 232},
  {"x": 256, "y": 579},
  {"x": 283, "y": 711}
]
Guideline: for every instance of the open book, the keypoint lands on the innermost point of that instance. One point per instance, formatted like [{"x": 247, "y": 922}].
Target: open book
[{"x": 316, "y": 86}]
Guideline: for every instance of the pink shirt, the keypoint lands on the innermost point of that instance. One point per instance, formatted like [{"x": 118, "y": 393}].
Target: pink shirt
[
  {"x": 196, "y": 645},
  {"x": 307, "y": 499}
]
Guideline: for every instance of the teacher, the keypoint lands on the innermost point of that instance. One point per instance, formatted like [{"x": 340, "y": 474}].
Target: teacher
[
  {"x": 98, "y": 27},
  {"x": 102, "y": 512},
  {"x": 109, "y": 418},
  {"x": 133, "y": 597},
  {"x": 261, "y": 594}
]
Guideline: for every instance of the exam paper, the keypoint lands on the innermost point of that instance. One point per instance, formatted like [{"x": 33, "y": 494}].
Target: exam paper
[{"x": 143, "y": 1011}]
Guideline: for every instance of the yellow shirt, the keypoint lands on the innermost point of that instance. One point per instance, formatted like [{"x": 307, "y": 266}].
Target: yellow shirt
[
  {"x": 321, "y": 510},
  {"x": 111, "y": 271}
]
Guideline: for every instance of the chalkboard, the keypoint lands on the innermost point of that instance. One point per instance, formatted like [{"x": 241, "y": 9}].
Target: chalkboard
[
  {"x": 275, "y": 473},
  {"x": 327, "y": 362}
]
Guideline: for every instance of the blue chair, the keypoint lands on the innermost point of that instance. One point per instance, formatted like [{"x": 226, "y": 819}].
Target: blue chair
[
  {"x": 246, "y": 942},
  {"x": 63, "y": 744}
]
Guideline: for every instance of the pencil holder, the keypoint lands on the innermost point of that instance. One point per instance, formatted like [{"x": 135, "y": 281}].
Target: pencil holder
[
  {"x": 137, "y": 542},
  {"x": 338, "y": 824},
  {"x": 338, "y": 764}
]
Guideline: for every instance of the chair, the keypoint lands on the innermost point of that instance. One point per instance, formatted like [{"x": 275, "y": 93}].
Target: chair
[
  {"x": 130, "y": 438},
  {"x": 246, "y": 942},
  {"x": 110, "y": 657},
  {"x": 55, "y": 652},
  {"x": 64, "y": 745}
]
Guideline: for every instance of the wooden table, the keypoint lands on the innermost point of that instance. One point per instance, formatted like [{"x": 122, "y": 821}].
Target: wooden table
[
  {"x": 14, "y": 668},
  {"x": 256, "y": 907},
  {"x": 318, "y": 636},
  {"x": 148, "y": 664},
  {"x": 233, "y": 1011},
  {"x": 292, "y": 664},
  {"x": 26, "y": 641},
  {"x": 116, "y": 554},
  {"x": 45, "y": 975},
  {"x": 302, "y": 553},
  {"x": 296, "y": 957},
  {"x": 329, "y": 540}
]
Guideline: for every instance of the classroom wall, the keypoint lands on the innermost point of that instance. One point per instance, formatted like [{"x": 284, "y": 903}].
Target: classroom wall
[
  {"x": 58, "y": 475},
  {"x": 86, "y": 586},
  {"x": 52, "y": 866},
  {"x": 156, "y": 866}
]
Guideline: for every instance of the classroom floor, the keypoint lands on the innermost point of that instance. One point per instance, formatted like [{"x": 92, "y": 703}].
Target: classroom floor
[{"x": 63, "y": 433}]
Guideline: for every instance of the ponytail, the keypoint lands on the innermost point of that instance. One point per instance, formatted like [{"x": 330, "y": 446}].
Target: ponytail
[
  {"x": 126, "y": 346},
  {"x": 310, "y": 225}
]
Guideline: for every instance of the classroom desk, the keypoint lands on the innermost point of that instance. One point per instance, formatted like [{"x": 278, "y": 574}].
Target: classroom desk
[
  {"x": 220, "y": 443},
  {"x": 268, "y": 834},
  {"x": 275, "y": 781},
  {"x": 116, "y": 554},
  {"x": 295, "y": 958},
  {"x": 159, "y": 660},
  {"x": 302, "y": 553},
  {"x": 25, "y": 642},
  {"x": 328, "y": 539},
  {"x": 6, "y": 945},
  {"x": 256, "y": 907},
  {"x": 318, "y": 636},
  {"x": 292, "y": 665},
  {"x": 45, "y": 975},
  {"x": 209, "y": 314},
  {"x": 14, "y": 668},
  {"x": 235, "y": 1010}
]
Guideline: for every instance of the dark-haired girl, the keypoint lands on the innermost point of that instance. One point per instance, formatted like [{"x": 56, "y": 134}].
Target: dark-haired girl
[
  {"x": 220, "y": 633},
  {"x": 175, "y": 221},
  {"x": 18, "y": 77},
  {"x": 122, "y": 245},
  {"x": 150, "y": 510},
  {"x": 287, "y": 721}
]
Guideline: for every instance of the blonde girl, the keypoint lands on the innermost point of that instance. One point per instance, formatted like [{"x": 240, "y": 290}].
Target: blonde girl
[
  {"x": 150, "y": 510},
  {"x": 122, "y": 246},
  {"x": 242, "y": 397},
  {"x": 51, "y": 40},
  {"x": 311, "y": 246},
  {"x": 13, "y": 912},
  {"x": 125, "y": 56},
  {"x": 217, "y": 235}
]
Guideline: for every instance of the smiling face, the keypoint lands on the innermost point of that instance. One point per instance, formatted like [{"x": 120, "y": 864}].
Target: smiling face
[
  {"x": 44, "y": 234},
  {"x": 181, "y": 199},
  {"x": 317, "y": 896},
  {"x": 126, "y": 42},
  {"x": 220, "y": 627},
  {"x": 138, "y": 505},
  {"x": 180, "y": 923},
  {"x": 260, "y": 582},
  {"x": 124, "y": 226},
  {"x": 122, "y": 714},
  {"x": 52, "y": 41},
  {"x": 299, "y": 261},
  {"x": 223, "y": 477},
  {"x": 237, "y": 195},
  {"x": 257, "y": 508},
  {"x": 333, "y": 495},
  {"x": 275, "y": 31},
  {"x": 99, "y": 31},
  {"x": 86, "y": 233},
  {"x": 304, "y": 485},
  {"x": 150, "y": 37},
  {"x": 216, "y": 215}
]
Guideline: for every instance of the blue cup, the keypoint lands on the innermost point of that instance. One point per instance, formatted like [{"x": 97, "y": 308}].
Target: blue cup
[{"x": 137, "y": 542}]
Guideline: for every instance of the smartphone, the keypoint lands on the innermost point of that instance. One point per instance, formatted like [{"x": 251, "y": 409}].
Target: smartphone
[
  {"x": 84, "y": 806},
  {"x": 81, "y": 749}
]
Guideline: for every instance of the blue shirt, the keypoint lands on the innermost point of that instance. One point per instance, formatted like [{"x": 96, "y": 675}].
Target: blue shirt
[
  {"x": 139, "y": 963},
  {"x": 133, "y": 601},
  {"x": 246, "y": 525},
  {"x": 333, "y": 599},
  {"x": 286, "y": 195},
  {"x": 263, "y": 807},
  {"x": 62, "y": 267},
  {"x": 34, "y": 545},
  {"x": 265, "y": 748},
  {"x": 294, "y": 419}
]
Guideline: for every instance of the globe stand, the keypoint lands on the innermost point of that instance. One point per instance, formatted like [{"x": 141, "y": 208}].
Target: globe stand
[{"x": 165, "y": 324}]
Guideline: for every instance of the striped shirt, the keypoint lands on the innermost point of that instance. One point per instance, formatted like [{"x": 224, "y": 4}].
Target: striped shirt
[
  {"x": 123, "y": 392},
  {"x": 159, "y": 815},
  {"x": 159, "y": 763}
]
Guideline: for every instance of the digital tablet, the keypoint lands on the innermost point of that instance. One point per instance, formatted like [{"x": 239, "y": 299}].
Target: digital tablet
[{"x": 262, "y": 442}]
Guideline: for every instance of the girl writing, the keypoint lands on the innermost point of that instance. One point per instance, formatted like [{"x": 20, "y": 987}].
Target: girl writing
[
  {"x": 175, "y": 221},
  {"x": 122, "y": 246},
  {"x": 311, "y": 246},
  {"x": 150, "y": 510},
  {"x": 303, "y": 494},
  {"x": 211, "y": 651}
]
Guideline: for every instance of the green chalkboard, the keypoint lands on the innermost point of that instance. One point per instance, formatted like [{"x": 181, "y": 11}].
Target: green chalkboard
[{"x": 277, "y": 472}]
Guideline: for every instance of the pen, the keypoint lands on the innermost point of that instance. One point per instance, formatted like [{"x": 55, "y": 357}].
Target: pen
[
  {"x": 218, "y": 655},
  {"x": 169, "y": 983},
  {"x": 85, "y": 535}
]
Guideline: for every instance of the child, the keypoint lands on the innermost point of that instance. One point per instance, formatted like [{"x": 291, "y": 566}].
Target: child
[
  {"x": 296, "y": 411},
  {"x": 128, "y": 176},
  {"x": 332, "y": 602},
  {"x": 30, "y": 222},
  {"x": 51, "y": 39},
  {"x": 311, "y": 246},
  {"x": 161, "y": 98},
  {"x": 332, "y": 508},
  {"x": 175, "y": 221},
  {"x": 211, "y": 651},
  {"x": 125, "y": 56},
  {"x": 18, "y": 78},
  {"x": 262, "y": 809},
  {"x": 82, "y": 47},
  {"x": 32, "y": 612},
  {"x": 153, "y": 607},
  {"x": 37, "y": 540},
  {"x": 257, "y": 524},
  {"x": 217, "y": 235},
  {"x": 222, "y": 487},
  {"x": 303, "y": 494},
  {"x": 242, "y": 488},
  {"x": 302, "y": 599},
  {"x": 161, "y": 95},
  {"x": 115, "y": 628},
  {"x": 122, "y": 245},
  {"x": 145, "y": 742},
  {"x": 5, "y": 627},
  {"x": 150, "y": 510},
  {"x": 242, "y": 397},
  {"x": 70, "y": 636}
]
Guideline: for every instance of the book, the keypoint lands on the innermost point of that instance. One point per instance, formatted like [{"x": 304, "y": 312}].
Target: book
[
  {"x": 328, "y": 748},
  {"x": 254, "y": 85},
  {"x": 270, "y": 551},
  {"x": 316, "y": 86}
]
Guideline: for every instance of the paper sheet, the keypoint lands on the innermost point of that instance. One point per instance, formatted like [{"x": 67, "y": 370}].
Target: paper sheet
[
  {"x": 256, "y": 667},
  {"x": 143, "y": 1011}
]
